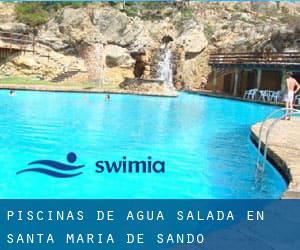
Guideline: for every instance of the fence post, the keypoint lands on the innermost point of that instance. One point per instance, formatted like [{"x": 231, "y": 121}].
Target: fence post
[
  {"x": 258, "y": 78},
  {"x": 214, "y": 83},
  {"x": 283, "y": 79},
  {"x": 33, "y": 44},
  {"x": 10, "y": 43}
]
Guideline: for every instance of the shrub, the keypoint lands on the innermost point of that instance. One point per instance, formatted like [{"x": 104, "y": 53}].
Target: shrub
[
  {"x": 208, "y": 31},
  {"x": 290, "y": 19},
  {"x": 187, "y": 13},
  {"x": 32, "y": 14},
  {"x": 38, "y": 13}
]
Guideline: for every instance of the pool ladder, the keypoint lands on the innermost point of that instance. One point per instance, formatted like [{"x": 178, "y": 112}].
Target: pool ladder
[{"x": 260, "y": 164}]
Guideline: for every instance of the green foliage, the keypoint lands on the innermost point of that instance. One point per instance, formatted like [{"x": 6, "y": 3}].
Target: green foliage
[
  {"x": 290, "y": 19},
  {"x": 246, "y": 20},
  {"x": 239, "y": 7},
  {"x": 32, "y": 14},
  {"x": 54, "y": 6},
  {"x": 132, "y": 12},
  {"x": 208, "y": 31},
  {"x": 187, "y": 13},
  {"x": 148, "y": 10},
  {"x": 225, "y": 27},
  {"x": 38, "y": 13},
  {"x": 263, "y": 18},
  {"x": 284, "y": 10}
]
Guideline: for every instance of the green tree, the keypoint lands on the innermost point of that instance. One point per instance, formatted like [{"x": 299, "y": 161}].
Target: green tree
[
  {"x": 32, "y": 13},
  {"x": 38, "y": 13}
]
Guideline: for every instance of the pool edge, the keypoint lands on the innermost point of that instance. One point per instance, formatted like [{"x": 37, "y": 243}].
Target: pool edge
[
  {"x": 233, "y": 98},
  {"x": 61, "y": 89},
  {"x": 281, "y": 164}
]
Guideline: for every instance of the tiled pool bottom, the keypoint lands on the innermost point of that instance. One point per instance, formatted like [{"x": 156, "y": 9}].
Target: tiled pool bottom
[{"x": 203, "y": 141}]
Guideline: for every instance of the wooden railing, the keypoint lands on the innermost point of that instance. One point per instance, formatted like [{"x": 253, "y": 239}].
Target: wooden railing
[
  {"x": 16, "y": 41},
  {"x": 255, "y": 58}
]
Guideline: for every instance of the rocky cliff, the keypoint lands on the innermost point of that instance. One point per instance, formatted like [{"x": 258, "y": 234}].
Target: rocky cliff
[{"x": 130, "y": 41}]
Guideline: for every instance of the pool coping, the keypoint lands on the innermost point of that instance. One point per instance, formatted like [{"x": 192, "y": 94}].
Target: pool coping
[
  {"x": 230, "y": 97},
  {"x": 74, "y": 89},
  {"x": 281, "y": 162}
]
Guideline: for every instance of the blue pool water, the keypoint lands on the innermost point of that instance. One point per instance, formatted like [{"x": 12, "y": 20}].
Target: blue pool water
[{"x": 204, "y": 142}]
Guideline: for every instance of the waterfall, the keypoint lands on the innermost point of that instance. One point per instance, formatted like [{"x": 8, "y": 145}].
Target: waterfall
[{"x": 165, "y": 71}]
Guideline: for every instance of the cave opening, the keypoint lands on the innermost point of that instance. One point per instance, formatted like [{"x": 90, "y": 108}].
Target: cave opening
[{"x": 140, "y": 64}]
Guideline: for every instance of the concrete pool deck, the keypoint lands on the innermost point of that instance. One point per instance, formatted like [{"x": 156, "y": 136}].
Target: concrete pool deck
[
  {"x": 80, "y": 89},
  {"x": 284, "y": 151}
]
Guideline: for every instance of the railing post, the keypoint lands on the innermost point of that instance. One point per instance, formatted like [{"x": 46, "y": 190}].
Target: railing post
[
  {"x": 33, "y": 44},
  {"x": 283, "y": 79},
  {"x": 236, "y": 80},
  {"x": 10, "y": 42},
  {"x": 214, "y": 83},
  {"x": 258, "y": 78}
]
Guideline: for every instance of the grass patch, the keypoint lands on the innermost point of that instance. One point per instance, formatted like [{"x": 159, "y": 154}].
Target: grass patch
[{"x": 21, "y": 80}]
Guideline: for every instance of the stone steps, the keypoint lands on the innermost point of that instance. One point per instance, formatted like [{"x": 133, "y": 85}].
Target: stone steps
[{"x": 65, "y": 75}]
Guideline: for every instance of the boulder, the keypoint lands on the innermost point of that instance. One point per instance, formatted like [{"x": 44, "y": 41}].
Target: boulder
[
  {"x": 52, "y": 40},
  {"x": 136, "y": 36},
  {"x": 25, "y": 61},
  {"x": 14, "y": 27},
  {"x": 76, "y": 27},
  {"x": 111, "y": 23},
  {"x": 118, "y": 56},
  {"x": 192, "y": 38}
]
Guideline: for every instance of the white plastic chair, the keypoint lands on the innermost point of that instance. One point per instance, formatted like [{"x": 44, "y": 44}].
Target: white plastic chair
[
  {"x": 275, "y": 96},
  {"x": 253, "y": 94},
  {"x": 263, "y": 95},
  {"x": 250, "y": 94}
]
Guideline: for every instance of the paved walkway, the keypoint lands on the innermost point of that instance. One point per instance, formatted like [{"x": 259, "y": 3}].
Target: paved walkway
[{"x": 284, "y": 151}]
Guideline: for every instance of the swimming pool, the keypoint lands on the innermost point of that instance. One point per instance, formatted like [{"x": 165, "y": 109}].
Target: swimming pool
[{"x": 204, "y": 142}]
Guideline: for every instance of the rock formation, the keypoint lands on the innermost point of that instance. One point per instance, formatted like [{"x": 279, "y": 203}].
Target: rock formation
[{"x": 131, "y": 41}]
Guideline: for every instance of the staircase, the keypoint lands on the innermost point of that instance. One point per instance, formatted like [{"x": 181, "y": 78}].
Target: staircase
[{"x": 65, "y": 75}]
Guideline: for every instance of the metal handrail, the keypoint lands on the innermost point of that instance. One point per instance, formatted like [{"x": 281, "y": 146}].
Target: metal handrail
[
  {"x": 14, "y": 33},
  {"x": 269, "y": 131},
  {"x": 25, "y": 41},
  {"x": 16, "y": 41},
  {"x": 292, "y": 112}
]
